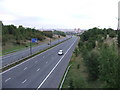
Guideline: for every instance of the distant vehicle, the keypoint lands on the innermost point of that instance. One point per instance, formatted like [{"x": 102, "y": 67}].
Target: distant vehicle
[
  {"x": 49, "y": 43},
  {"x": 60, "y": 52}
]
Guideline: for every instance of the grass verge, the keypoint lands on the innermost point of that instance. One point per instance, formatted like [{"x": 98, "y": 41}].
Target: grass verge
[
  {"x": 77, "y": 76},
  {"x": 14, "y": 48},
  {"x": 22, "y": 60}
]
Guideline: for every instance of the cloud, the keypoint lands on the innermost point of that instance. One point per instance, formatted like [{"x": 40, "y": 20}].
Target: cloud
[{"x": 60, "y": 13}]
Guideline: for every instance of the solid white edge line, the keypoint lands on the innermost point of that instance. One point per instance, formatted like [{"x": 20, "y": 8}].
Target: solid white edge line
[
  {"x": 64, "y": 78},
  {"x": 55, "y": 66},
  {"x": 29, "y": 59}
]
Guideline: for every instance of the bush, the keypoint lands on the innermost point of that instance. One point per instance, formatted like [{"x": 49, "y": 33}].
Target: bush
[
  {"x": 80, "y": 82},
  {"x": 119, "y": 38},
  {"x": 92, "y": 64},
  {"x": 112, "y": 34},
  {"x": 48, "y": 34},
  {"x": 59, "y": 33},
  {"x": 109, "y": 66},
  {"x": 76, "y": 52},
  {"x": 20, "y": 34}
]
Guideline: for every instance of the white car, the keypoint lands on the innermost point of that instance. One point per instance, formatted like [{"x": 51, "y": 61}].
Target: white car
[{"x": 60, "y": 52}]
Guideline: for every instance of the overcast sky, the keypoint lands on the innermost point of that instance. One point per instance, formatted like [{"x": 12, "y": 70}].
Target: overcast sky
[{"x": 83, "y": 14}]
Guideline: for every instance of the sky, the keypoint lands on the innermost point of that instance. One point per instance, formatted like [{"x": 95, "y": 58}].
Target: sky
[{"x": 54, "y": 14}]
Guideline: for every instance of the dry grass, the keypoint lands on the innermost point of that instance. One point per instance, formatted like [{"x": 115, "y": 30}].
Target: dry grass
[
  {"x": 10, "y": 47},
  {"x": 77, "y": 73},
  {"x": 79, "y": 76}
]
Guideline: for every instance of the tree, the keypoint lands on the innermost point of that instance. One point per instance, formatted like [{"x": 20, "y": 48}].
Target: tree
[
  {"x": 59, "y": 33},
  {"x": 12, "y": 34},
  {"x": 92, "y": 64},
  {"x": 118, "y": 38},
  {"x": 112, "y": 34},
  {"x": 48, "y": 34},
  {"x": 109, "y": 66},
  {"x": 76, "y": 52}
]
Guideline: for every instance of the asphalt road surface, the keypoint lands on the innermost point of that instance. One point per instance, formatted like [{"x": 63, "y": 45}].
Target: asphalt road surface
[
  {"x": 42, "y": 71},
  {"x": 10, "y": 58}
]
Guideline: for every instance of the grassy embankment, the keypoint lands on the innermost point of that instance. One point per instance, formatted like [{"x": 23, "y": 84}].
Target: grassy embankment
[
  {"x": 17, "y": 37},
  {"x": 77, "y": 76},
  {"x": 10, "y": 47},
  {"x": 94, "y": 57},
  {"x": 26, "y": 58}
]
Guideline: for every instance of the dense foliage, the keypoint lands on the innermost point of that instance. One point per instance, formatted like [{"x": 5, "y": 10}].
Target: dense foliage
[
  {"x": 59, "y": 33},
  {"x": 100, "y": 57},
  {"x": 119, "y": 38},
  {"x": 19, "y": 35},
  {"x": 48, "y": 33},
  {"x": 108, "y": 68}
]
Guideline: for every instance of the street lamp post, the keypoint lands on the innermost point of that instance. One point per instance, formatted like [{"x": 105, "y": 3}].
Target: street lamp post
[
  {"x": 58, "y": 38},
  {"x": 50, "y": 41},
  {"x": 30, "y": 42},
  {"x": 118, "y": 24},
  {"x": 30, "y": 47}
]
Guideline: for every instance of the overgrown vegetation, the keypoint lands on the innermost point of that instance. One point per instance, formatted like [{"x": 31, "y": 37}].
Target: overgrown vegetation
[
  {"x": 20, "y": 35},
  {"x": 101, "y": 57},
  {"x": 60, "y": 33},
  {"x": 119, "y": 38},
  {"x": 28, "y": 57},
  {"x": 99, "y": 51},
  {"x": 14, "y": 37},
  {"x": 48, "y": 33},
  {"x": 75, "y": 77}
]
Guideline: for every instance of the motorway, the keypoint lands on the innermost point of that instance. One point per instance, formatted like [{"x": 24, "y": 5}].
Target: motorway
[
  {"x": 41, "y": 71},
  {"x": 10, "y": 58}
]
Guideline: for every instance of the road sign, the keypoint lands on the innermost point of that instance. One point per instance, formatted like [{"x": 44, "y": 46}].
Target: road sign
[{"x": 34, "y": 40}]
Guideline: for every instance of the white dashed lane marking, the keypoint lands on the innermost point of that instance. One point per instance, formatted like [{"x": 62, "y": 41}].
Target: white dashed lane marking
[
  {"x": 36, "y": 61},
  {"x": 38, "y": 69},
  {"x": 25, "y": 68},
  {"x": 24, "y": 81},
  {"x": 7, "y": 79}
]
